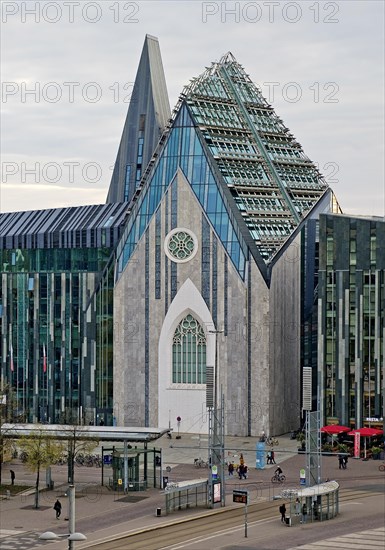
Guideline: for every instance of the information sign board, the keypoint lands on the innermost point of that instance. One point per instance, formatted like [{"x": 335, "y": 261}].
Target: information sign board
[{"x": 241, "y": 497}]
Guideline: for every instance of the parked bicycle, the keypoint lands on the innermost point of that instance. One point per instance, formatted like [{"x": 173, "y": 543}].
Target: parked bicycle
[
  {"x": 272, "y": 441},
  {"x": 171, "y": 485},
  {"x": 382, "y": 467},
  {"x": 88, "y": 460},
  {"x": 278, "y": 478},
  {"x": 200, "y": 463}
]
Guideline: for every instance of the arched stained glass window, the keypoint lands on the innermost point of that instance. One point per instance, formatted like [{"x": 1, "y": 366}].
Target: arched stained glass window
[{"x": 189, "y": 353}]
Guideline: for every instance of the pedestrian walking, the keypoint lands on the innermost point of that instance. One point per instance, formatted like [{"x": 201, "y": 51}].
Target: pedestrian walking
[
  {"x": 282, "y": 511},
  {"x": 304, "y": 513},
  {"x": 273, "y": 457},
  {"x": 345, "y": 462},
  {"x": 297, "y": 506},
  {"x": 231, "y": 468},
  {"x": 340, "y": 462},
  {"x": 12, "y": 477},
  {"x": 268, "y": 461},
  {"x": 315, "y": 509},
  {"x": 57, "y": 508}
]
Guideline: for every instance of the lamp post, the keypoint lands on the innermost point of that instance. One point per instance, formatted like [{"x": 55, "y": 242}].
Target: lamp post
[{"x": 72, "y": 536}]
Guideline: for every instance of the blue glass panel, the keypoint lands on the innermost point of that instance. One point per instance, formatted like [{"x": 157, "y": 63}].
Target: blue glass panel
[
  {"x": 170, "y": 168},
  {"x": 224, "y": 223},
  {"x": 143, "y": 223},
  {"x": 212, "y": 199},
  {"x": 186, "y": 141},
  {"x": 196, "y": 175},
  {"x": 152, "y": 203},
  {"x": 143, "y": 208},
  {"x": 183, "y": 146},
  {"x": 235, "y": 254},
  {"x": 242, "y": 263},
  {"x": 198, "y": 151},
  {"x": 174, "y": 142}
]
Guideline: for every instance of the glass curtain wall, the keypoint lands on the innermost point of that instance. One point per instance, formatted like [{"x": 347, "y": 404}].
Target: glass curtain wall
[{"x": 47, "y": 342}]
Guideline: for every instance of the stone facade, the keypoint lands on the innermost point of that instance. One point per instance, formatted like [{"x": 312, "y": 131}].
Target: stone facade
[{"x": 257, "y": 366}]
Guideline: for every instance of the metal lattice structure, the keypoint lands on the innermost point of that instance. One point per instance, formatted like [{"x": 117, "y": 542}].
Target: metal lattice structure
[
  {"x": 216, "y": 451},
  {"x": 273, "y": 182},
  {"x": 313, "y": 448}
]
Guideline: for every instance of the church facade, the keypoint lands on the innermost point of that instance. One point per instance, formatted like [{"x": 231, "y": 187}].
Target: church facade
[{"x": 209, "y": 268}]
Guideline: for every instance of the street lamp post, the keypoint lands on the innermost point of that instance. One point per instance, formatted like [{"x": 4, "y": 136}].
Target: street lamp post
[
  {"x": 71, "y": 514},
  {"x": 72, "y": 536}
]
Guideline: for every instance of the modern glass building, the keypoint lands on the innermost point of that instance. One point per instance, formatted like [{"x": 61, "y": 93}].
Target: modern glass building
[
  {"x": 56, "y": 321},
  {"x": 207, "y": 257},
  {"x": 213, "y": 242},
  {"x": 351, "y": 320}
]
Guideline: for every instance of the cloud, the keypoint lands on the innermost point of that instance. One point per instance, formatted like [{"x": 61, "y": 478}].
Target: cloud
[{"x": 347, "y": 54}]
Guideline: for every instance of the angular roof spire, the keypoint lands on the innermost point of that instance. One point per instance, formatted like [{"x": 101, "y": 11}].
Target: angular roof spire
[
  {"x": 148, "y": 113},
  {"x": 273, "y": 184}
]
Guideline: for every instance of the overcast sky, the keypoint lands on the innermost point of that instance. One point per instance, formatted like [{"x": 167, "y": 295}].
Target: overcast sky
[{"x": 320, "y": 64}]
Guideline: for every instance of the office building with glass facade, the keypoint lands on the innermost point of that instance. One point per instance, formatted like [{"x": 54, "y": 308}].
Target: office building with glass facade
[
  {"x": 351, "y": 320},
  {"x": 56, "y": 321}
]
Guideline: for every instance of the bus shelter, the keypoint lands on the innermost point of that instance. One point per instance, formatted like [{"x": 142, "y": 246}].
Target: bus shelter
[
  {"x": 317, "y": 503},
  {"x": 186, "y": 494},
  {"x": 131, "y": 468}
]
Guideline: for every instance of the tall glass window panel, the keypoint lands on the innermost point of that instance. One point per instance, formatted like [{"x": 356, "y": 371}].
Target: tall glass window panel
[{"x": 189, "y": 353}]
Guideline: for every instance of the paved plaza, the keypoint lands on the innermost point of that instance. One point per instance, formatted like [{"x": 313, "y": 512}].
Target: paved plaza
[{"x": 101, "y": 513}]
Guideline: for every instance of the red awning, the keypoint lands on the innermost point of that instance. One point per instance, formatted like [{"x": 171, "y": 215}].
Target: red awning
[{"x": 334, "y": 429}]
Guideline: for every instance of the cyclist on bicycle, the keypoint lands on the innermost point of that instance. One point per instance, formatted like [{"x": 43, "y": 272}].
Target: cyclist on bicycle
[{"x": 278, "y": 471}]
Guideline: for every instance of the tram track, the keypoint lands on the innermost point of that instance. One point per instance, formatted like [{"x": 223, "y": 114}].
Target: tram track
[{"x": 224, "y": 520}]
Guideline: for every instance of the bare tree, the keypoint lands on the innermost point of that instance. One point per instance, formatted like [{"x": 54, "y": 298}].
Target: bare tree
[
  {"x": 79, "y": 442},
  {"x": 41, "y": 451}
]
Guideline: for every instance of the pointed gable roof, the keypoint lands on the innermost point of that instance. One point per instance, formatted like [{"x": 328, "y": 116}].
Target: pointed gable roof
[
  {"x": 250, "y": 175},
  {"x": 273, "y": 183},
  {"x": 147, "y": 116}
]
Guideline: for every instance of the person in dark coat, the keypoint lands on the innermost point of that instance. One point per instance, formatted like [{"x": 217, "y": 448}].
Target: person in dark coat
[
  {"x": 345, "y": 465},
  {"x": 57, "y": 508},
  {"x": 304, "y": 513},
  {"x": 282, "y": 511},
  {"x": 12, "y": 477}
]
